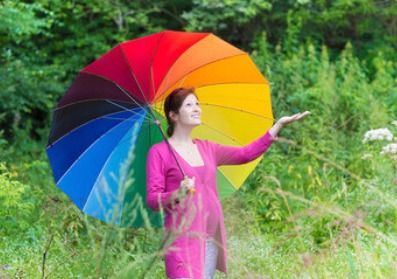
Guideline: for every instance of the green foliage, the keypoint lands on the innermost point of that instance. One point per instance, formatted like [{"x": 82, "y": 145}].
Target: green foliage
[
  {"x": 14, "y": 203},
  {"x": 18, "y": 20},
  {"x": 26, "y": 87},
  {"x": 228, "y": 18},
  {"x": 325, "y": 171}
]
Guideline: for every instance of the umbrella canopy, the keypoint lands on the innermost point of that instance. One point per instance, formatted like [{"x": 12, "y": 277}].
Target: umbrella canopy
[{"x": 111, "y": 106}]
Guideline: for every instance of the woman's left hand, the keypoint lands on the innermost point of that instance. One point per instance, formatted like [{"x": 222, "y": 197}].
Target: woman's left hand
[
  {"x": 289, "y": 119},
  {"x": 285, "y": 120}
]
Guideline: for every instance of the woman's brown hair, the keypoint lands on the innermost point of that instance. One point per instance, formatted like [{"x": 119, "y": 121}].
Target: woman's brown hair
[{"x": 173, "y": 103}]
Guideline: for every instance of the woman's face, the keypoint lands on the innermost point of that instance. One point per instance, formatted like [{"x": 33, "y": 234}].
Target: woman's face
[{"x": 189, "y": 112}]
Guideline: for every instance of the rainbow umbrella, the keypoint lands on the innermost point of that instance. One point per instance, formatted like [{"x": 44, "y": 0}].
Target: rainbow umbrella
[{"x": 111, "y": 109}]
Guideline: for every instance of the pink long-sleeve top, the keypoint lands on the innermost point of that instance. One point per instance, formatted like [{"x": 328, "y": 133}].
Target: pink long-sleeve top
[{"x": 198, "y": 216}]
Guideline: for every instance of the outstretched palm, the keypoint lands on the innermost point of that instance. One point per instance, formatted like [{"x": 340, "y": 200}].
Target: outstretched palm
[{"x": 289, "y": 119}]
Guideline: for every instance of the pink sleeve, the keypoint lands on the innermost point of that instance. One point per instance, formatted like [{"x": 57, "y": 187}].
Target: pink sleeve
[
  {"x": 236, "y": 155},
  {"x": 156, "y": 194}
]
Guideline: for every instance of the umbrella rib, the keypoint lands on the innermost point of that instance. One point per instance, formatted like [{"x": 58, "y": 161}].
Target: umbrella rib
[
  {"x": 219, "y": 132},
  {"x": 85, "y": 123},
  {"x": 104, "y": 165},
  {"x": 162, "y": 97},
  {"x": 227, "y": 178},
  {"x": 151, "y": 63},
  {"x": 115, "y": 118},
  {"x": 143, "y": 95},
  {"x": 133, "y": 75},
  {"x": 173, "y": 64},
  {"x": 127, "y": 109},
  {"x": 105, "y": 100},
  {"x": 126, "y": 93},
  {"x": 108, "y": 101},
  {"x": 88, "y": 148},
  {"x": 108, "y": 80},
  {"x": 232, "y": 83},
  {"x": 201, "y": 66},
  {"x": 222, "y": 133},
  {"x": 78, "y": 126},
  {"x": 118, "y": 86},
  {"x": 145, "y": 122},
  {"x": 195, "y": 69},
  {"x": 90, "y": 100},
  {"x": 239, "y": 144},
  {"x": 236, "y": 109}
]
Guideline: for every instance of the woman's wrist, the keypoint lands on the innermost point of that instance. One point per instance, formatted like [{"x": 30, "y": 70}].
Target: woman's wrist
[{"x": 275, "y": 129}]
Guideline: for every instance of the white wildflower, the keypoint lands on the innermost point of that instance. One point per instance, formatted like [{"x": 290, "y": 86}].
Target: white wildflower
[
  {"x": 389, "y": 149},
  {"x": 378, "y": 134}
]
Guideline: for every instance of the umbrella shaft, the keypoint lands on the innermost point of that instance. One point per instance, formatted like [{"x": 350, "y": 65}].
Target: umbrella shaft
[{"x": 158, "y": 124}]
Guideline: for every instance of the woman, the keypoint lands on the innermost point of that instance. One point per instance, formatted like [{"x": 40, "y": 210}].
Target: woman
[{"x": 193, "y": 213}]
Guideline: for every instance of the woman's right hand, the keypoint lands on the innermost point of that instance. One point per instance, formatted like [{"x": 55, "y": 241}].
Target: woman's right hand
[{"x": 188, "y": 185}]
